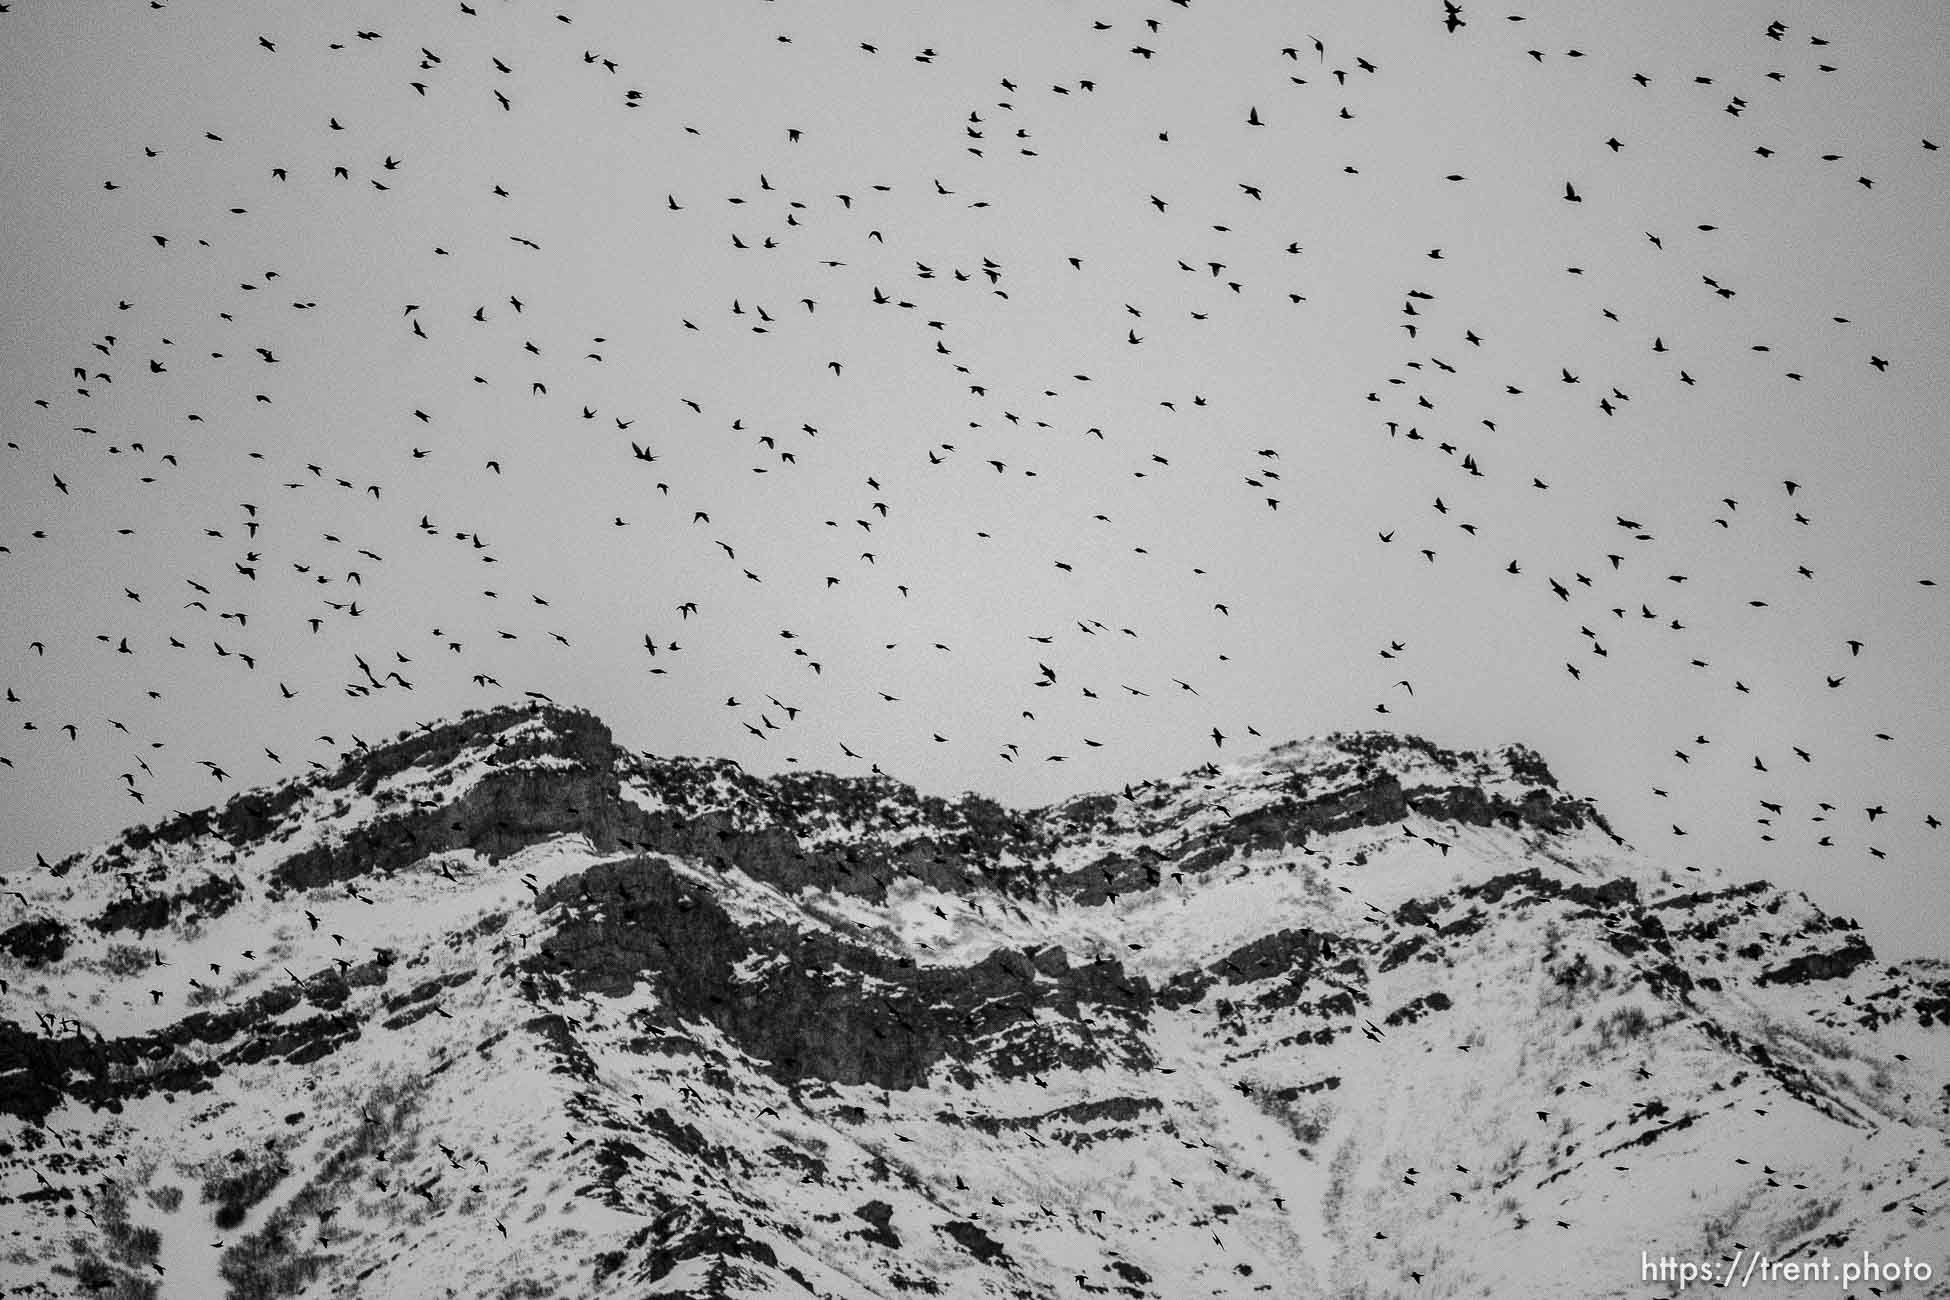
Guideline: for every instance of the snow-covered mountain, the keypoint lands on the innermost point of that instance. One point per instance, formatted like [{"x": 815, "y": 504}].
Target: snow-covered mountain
[{"x": 501, "y": 1009}]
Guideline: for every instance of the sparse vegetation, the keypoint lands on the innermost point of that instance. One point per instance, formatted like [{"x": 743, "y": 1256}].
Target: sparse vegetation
[
  {"x": 1822, "y": 1043},
  {"x": 1307, "y": 1126},
  {"x": 524, "y": 1288},
  {"x": 1566, "y": 980},
  {"x": 1716, "y": 1230},
  {"x": 1621, "y": 1025},
  {"x": 271, "y": 1262},
  {"x": 122, "y": 960},
  {"x": 129, "y": 1251},
  {"x": 1808, "y": 1217},
  {"x": 1338, "y": 1174},
  {"x": 265, "y": 1266},
  {"x": 1553, "y": 940},
  {"x": 237, "y": 1185}
]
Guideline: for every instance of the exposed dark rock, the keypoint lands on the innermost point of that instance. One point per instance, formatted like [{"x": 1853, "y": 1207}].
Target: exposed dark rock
[
  {"x": 1089, "y": 809},
  {"x": 811, "y": 1167},
  {"x": 698, "y": 1232},
  {"x": 145, "y": 912},
  {"x": 977, "y": 1242},
  {"x": 1289, "y": 958},
  {"x": 36, "y": 1071},
  {"x": 1932, "y": 1005},
  {"x": 504, "y": 812},
  {"x": 1121, "y": 1111},
  {"x": 878, "y": 1215},
  {"x": 1295, "y": 1091},
  {"x": 426, "y": 989},
  {"x": 805, "y": 1009},
  {"x": 1414, "y": 1009},
  {"x": 1474, "y": 806},
  {"x": 1619, "y": 891},
  {"x": 1699, "y": 898},
  {"x": 1401, "y": 950},
  {"x": 1101, "y": 881},
  {"x": 39, "y": 942},
  {"x": 571, "y": 1058},
  {"x": 1836, "y": 964}
]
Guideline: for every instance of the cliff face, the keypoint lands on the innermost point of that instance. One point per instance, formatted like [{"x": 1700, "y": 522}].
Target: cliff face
[{"x": 503, "y": 1008}]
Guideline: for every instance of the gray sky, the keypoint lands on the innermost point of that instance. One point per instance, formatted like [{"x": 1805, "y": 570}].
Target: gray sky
[{"x": 1147, "y": 475}]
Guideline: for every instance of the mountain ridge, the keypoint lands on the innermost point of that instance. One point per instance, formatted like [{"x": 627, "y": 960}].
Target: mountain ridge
[{"x": 776, "y": 984}]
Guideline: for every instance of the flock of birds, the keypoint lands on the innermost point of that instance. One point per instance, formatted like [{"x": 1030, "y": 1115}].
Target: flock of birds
[{"x": 120, "y": 469}]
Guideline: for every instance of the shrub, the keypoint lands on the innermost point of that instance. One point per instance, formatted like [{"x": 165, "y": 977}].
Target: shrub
[
  {"x": 271, "y": 1262},
  {"x": 263, "y": 1266},
  {"x": 1808, "y": 1217},
  {"x": 525, "y": 1288},
  {"x": 1717, "y": 1229},
  {"x": 95, "y": 1277},
  {"x": 236, "y": 1191},
  {"x": 125, "y": 959},
  {"x": 1308, "y": 1129},
  {"x": 1622, "y": 1024},
  {"x": 1553, "y": 938},
  {"x": 127, "y": 1247}
]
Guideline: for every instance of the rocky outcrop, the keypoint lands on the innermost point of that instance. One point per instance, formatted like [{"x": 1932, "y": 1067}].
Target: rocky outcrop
[
  {"x": 814, "y": 1006},
  {"x": 38, "y": 1070},
  {"x": 141, "y": 913},
  {"x": 1836, "y": 963},
  {"x": 565, "y": 775},
  {"x": 39, "y": 942}
]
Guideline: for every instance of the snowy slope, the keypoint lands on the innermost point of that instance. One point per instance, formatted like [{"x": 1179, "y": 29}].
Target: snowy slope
[{"x": 499, "y": 1009}]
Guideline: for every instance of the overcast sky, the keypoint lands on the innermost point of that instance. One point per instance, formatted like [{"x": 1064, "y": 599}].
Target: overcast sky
[{"x": 905, "y": 446}]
